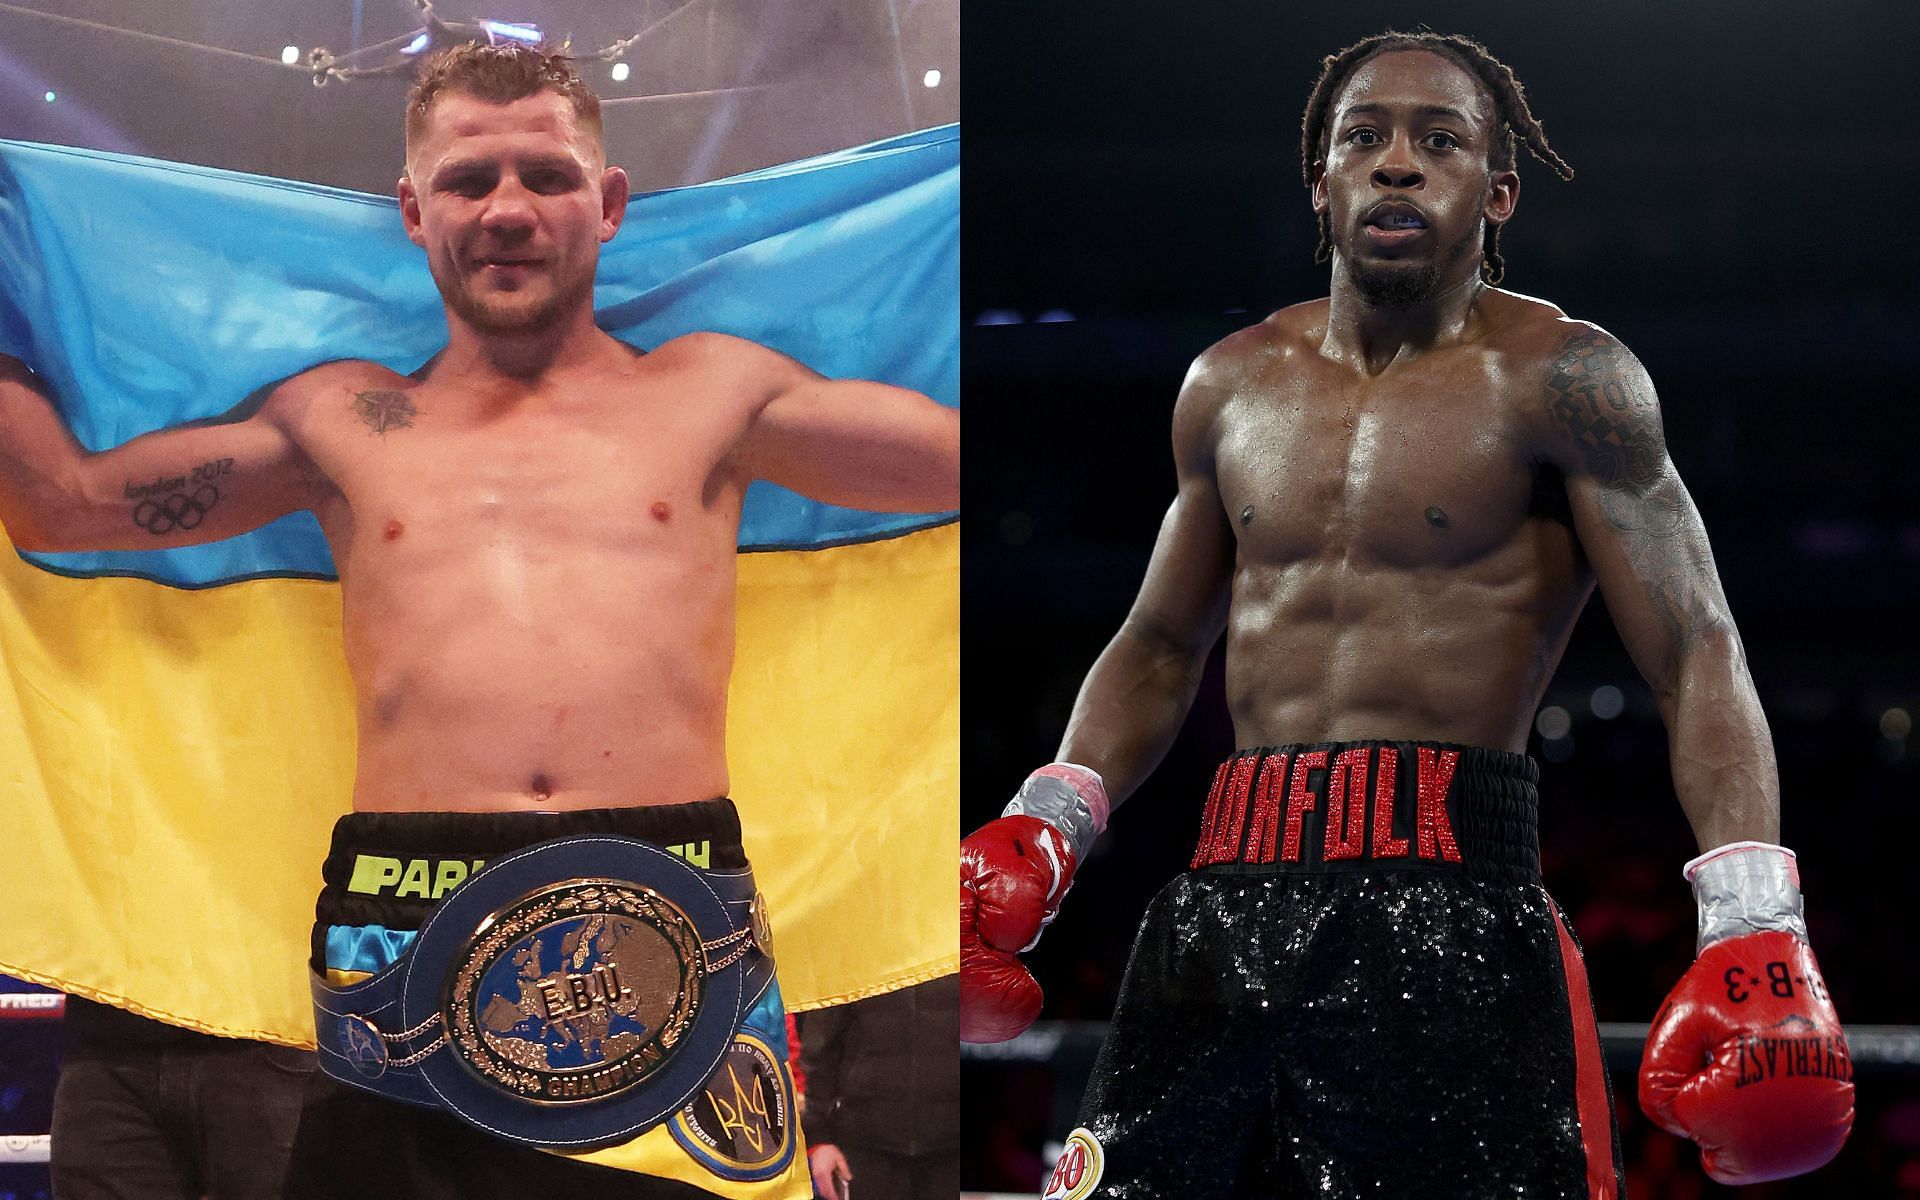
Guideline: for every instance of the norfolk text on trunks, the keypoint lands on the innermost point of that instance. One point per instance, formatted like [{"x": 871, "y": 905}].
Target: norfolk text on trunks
[{"x": 1288, "y": 787}]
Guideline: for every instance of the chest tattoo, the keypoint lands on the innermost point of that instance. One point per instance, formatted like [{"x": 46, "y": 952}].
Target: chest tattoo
[{"x": 384, "y": 410}]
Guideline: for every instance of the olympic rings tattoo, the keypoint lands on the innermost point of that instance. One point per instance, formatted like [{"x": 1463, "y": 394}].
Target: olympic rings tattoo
[{"x": 178, "y": 511}]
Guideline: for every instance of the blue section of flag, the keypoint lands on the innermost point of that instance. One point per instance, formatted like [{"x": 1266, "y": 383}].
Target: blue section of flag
[
  {"x": 150, "y": 293},
  {"x": 369, "y": 948}
]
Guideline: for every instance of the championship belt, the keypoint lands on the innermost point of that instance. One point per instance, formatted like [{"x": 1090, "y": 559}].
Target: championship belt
[{"x": 569, "y": 995}]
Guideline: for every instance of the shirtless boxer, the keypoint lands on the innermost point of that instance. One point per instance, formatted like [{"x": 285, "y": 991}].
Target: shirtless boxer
[
  {"x": 1395, "y": 502},
  {"x": 536, "y": 540}
]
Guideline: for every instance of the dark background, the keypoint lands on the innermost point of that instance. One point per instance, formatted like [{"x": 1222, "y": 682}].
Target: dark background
[{"x": 1132, "y": 193}]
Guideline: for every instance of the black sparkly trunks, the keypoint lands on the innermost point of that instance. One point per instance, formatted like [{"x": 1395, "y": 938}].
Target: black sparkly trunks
[{"x": 1359, "y": 989}]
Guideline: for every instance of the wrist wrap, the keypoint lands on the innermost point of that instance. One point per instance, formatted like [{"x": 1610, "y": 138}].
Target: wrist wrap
[
  {"x": 1746, "y": 887},
  {"x": 1068, "y": 797}
]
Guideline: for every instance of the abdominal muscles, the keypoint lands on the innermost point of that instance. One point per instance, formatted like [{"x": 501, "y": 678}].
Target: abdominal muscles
[
  {"x": 1331, "y": 651},
  {"x": 583, "y": 677}
]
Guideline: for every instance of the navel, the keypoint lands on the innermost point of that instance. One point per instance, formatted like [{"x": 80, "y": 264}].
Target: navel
[
  {"x": 541, "y": 787},
  {"x": 1246, "y": 516},
  {"x": 1436, "y": 517},
  {"x": 387, "y": 704}
]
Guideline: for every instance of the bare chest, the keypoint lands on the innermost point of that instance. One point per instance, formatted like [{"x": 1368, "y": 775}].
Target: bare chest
[
  {"x": 432, "y": 482},
  {"x": 1397, "y": 472}
]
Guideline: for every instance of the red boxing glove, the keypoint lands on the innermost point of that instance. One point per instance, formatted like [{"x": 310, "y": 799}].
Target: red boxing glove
[
  {"x": 1747, "y": 1056},
  {"x": 1013, "y": 873}
]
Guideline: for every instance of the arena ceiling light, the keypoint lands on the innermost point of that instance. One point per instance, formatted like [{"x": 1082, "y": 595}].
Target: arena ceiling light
[
  {"x": 530, "y": 34},
  {"x": 397, "y": 55}
]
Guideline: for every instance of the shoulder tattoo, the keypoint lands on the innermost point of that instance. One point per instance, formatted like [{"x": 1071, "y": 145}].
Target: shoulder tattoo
[
  {"x": 1597, "y": 392},
  {"x": 384, "y": 410}
]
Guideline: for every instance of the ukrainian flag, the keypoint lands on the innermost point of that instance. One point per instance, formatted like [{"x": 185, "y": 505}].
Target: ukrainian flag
[{"x": 176, "y": 733}]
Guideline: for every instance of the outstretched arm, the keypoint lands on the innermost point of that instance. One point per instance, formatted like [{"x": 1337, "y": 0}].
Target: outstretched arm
[
  {"x": 1137, "y": 695},
  {"x": 1650, "y": 556},
  {"x": 175, "y": 487},
  {"x": 854, "y": 443}
]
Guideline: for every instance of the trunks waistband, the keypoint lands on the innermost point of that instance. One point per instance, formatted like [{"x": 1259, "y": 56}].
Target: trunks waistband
[
  {"x": 1332, "y": 807},
  {"x": 392, "y": 868}
]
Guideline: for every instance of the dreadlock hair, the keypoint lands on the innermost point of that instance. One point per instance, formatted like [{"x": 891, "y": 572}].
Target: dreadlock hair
[{"x": 1514, "y": 119}]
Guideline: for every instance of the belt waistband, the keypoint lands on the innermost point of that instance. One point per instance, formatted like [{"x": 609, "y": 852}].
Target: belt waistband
[
  {"x": 483, "y": 834},
  {"x": 1332, "y": 807},
  {"x": 392, "y": 869}
]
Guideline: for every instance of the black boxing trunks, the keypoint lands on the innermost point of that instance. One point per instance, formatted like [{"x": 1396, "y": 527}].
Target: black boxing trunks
[
  {"x": 505, "y": 1000},
  {"x": 1360, "y": 988}
]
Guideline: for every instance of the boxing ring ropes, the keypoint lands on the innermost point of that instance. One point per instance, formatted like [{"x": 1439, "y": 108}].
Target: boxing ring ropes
[
  {"x": 1877, "y": 1048},
  {"x": 1071, "y": 1045}
]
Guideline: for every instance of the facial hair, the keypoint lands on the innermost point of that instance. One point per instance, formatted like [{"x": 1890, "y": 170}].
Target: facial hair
[
  {"x": 512, "y": 318},
  {"x": 1399, "y": 284}
]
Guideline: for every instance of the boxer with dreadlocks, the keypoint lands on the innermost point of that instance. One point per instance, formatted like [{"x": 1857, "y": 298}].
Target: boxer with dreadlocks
[{"x": 1394, "y": 502}]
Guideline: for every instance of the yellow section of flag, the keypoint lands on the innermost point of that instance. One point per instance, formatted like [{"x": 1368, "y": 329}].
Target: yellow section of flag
[{"x": 172, "y": 761}]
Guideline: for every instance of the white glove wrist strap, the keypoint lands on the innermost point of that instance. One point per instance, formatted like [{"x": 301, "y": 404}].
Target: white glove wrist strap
[
  {"x": 1746, "y": 887},
  {"x": 1069, "y": 797}
]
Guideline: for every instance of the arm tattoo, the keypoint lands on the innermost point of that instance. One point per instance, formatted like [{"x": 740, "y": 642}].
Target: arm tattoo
[
  {"x": 1687, "y": 602},
  {"x": 1668, "y": 552},
  {"x": 382, "y": 411},
  {"x": 1596, "y": 396},
  {"x": 1658, "y": 511},
  {"x": 176, "y": 510},
  {"x": 176, "y": 502}
]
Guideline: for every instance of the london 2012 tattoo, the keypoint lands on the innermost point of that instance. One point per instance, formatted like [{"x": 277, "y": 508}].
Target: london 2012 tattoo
[
  {"x": 166, "y": 504},
  {"x": 176, "y": 510},
  {"x": 384, "y": 410}
]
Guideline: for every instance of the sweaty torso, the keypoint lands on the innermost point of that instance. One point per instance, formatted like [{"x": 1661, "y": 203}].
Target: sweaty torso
[
  {"x": 1404, "y": 564},
  {"x": 538, "y": 586}
]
